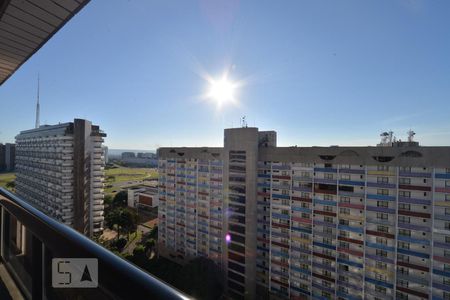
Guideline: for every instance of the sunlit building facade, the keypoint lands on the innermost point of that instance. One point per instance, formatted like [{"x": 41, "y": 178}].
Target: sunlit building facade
[
  {"x": 316, "y": 222},
  {"x": 60, "y": 170}
]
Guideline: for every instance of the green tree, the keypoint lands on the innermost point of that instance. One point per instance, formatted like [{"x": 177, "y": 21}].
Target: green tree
[
  {"x": 201, "y": 278},
  {"x": 120, "y": 199},
  {"x": 121, "y": 219},
  {"x": 129, "y": 220},
  {"x": 11, "y": 185}
]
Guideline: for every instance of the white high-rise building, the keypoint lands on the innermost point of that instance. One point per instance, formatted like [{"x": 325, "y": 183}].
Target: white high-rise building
[{"x": 60, "y": 170}]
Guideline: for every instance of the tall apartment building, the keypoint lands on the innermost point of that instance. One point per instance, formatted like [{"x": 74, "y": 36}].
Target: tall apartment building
[
  {"x": 311, "y": 223},
  {"x": 7, "y": 157},
  {"x": 60, "y": 170}
]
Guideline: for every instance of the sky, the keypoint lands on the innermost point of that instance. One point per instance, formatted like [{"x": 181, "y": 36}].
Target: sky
[{"x": 318, "y": 72}]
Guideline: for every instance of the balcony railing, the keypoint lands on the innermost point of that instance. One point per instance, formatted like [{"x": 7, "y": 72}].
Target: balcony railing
[{"x": 29, "y": 241}]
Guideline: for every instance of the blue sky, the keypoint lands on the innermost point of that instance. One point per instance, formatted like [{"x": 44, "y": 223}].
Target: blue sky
[{"x": 318, "y": 72}]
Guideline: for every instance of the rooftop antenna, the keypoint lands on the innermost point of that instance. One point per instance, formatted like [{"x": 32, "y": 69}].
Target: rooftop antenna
[
  {"x": 37, "y": 106},
  {"x": 411, "y": 135},
  {"x": 244, "y": 122}
]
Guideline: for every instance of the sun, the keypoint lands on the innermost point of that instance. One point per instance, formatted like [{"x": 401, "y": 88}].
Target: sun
[{"x": 222, "y": 90}]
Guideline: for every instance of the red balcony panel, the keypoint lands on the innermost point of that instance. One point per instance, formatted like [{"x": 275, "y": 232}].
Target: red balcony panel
[
  {"x": 414, "y": 187},
  {"x": 263, "y": 194},
  {"x": 442, "y": 190},
  {"x": 351, "y": 205},
  {"x": 323, "y": 277},
  {"x": 190, "y": 234},
  {"x": 351, "y": 252},
  {"x": 280, "y": 225},
  {"x": 181, "y": 182},
  {"x": 358, "y": 242},
  {"x": 412, "y": 266},
  {"x": 412, "y": 292},
  {"x": 182, "y": 225},
  {"x": 301, "y": 220},
  {"x": 280, "y": 283},
  {"x": 216, "y": 179},
  {"x": 279, "y": 263},
  {"x": 382, "y": 234},
  {"x": 414, "y": 214},
  {"x": 280, "y": 244},
  {"x": 442, "y": 259},
  {"x": 301, "y": 199},
  {"x": 323, "y": 256},
  {"x": 203, "y": 216},
  {"x": 215, "y": 227},
  {"x": 263, "y": 240},
  {"x": 321, "y": 191},
  {"x": 324, "y": 213},
  {"x": 203, "y": 193},
  {"x": 281, "y": 177}
]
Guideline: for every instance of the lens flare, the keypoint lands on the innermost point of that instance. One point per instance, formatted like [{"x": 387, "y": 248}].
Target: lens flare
[{"x": 228, "y": 238}]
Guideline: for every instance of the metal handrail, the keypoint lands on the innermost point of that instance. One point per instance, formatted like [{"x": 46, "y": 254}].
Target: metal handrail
[{"x": 117, "y": 278}]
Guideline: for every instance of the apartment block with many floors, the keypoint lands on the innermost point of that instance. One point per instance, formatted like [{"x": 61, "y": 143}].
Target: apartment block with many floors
[
  {"x": 60, "y": 170},
  {"x": 314, "y": 222}
]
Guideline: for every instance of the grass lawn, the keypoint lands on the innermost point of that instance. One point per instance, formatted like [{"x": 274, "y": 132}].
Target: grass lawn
[
  {"x": 124, "y": 174},
  {"x": 6, "y": 177}
]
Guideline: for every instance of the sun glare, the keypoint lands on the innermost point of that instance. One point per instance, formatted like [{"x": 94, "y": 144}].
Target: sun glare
[{"x": 222, "y": 91}]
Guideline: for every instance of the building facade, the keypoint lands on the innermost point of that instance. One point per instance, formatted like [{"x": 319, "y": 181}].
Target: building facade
[
  {"x": 60, "y": 170},
  {"x": 7, "y": 157},
  {"x": 311, "y": 223}
]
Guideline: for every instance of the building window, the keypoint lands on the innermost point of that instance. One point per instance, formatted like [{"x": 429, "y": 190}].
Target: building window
[
  {"x": 403, "y": 257},
  {"x": 383, "y": 179},
  {"x": 447, "y": 197},
  {"x": 404, "y": 232},
  {"x": 382, "y": 168},
  {"x": 446, "y": 280},
  {"x": 404, "y": 194},
  {"x": 328, "y": 219},
  {"x": 404, "y": 219},
  {"x": 380, "y": 289},
  {"x": 403, "y": 283},
  {"x": 381, "y": 265},
  {"x": 347, "y": 199},
  {"x": 401, "y": 296},
  {"x": 345, "y": 211},
  {"x": 403, "y": 180},
  {"x": 328, "y": 208},
  {"x": 382, "y": 216},
  {"x": 404, "y": 206},
  {"x": 382, "y": 253},
  {"x": 382, "y": 228},
  {"x": 405, "y": 169},
  {"x": 343, "y": 222},
  {"x": 403, "y": 245},
  {"x": 383, "y": 192},
  {"x": 447, "y": 183},
  {"x": 403, "y": 270},
  {"x": 381, "y": 240},
  {"x": 383, "y": 204},
  {"x": 328, "y": 176},
  {"x": 345, "y": 177},
  {"x": 446, "y": 295}
]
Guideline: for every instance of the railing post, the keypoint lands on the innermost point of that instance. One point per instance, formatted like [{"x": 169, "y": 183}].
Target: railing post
[{"x": 36, "y": 272}]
